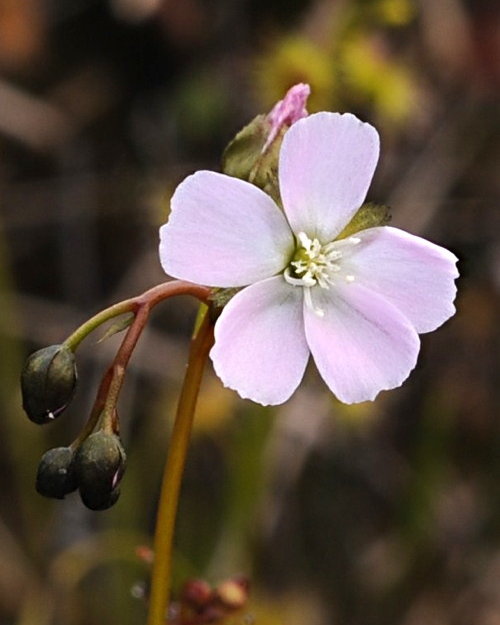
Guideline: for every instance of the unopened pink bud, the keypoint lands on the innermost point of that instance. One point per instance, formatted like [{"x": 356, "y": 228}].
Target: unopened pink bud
[{"x": 288, "y": 110}]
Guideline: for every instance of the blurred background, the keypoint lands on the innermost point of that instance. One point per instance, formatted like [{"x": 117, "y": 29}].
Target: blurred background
[{"x": 382, "y": 513}]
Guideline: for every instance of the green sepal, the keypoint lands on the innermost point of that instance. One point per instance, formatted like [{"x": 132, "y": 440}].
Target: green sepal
[
  {"x": 220, "y": 297},
  {"x": 244, "y": 157},
  {"x": 368, "y": 216},
  {"x": 242, "y": 152},
  {"x": 118, "y": 326}
]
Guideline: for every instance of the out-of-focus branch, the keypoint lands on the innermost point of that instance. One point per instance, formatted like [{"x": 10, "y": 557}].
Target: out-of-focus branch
[{"x": 31, "y": 120}]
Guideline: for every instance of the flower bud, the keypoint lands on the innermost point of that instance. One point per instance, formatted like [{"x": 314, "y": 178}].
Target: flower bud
[
  {"x": 55, "y": 476},
  {"x": 253, "y": 153},
  {"x": 287, "y": 111},
  {"x": 233, "y": 593},
  {"x": 48, "y": 382},
  {"x": 99, "y": 466},
  {"x": 197, "y": 593}
]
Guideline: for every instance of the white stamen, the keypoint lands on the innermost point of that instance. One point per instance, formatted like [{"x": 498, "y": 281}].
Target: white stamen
[
  {"x": 309, "y": 303},
  {"x": 305, "y": 240},
  {"x": 291, "y": 280},
  {"x": 318, "y": 265}
]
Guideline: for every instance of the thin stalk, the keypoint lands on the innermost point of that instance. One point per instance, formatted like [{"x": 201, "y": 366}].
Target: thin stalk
[
  {"x": 112, "y": 381},
  {"x": 151, "y": 297},
  {"x": 172, "y": 475},
  {"x": 109, "y": 389},
  {"x": 119, "y": 366}
]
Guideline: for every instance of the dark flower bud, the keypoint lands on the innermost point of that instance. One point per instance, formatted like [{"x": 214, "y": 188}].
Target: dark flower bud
[
  {"x": 48, "y": 382},
  {"x": 55, "y": 476},
  {"x": 99, "y": 466}
]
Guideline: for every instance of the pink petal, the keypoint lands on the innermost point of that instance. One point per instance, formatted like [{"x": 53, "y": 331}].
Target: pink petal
[
  {"x": 223, "y": 232},
  {"x": 260, "y": 348},
  {"x": 288, "y": 111},
  {"x": 362, "y": 344},
  {"x": 326, "y": 165},
  {"x": 417, "y": 276}
]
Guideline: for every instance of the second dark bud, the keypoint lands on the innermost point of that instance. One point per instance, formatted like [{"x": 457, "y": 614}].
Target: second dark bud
[
  {"x": 55, "y": 476},
  {"x": 99, "y": 465}
]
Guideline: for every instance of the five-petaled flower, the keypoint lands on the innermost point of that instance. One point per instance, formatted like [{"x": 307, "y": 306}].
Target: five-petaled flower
[{"x": 357, "y": 304}]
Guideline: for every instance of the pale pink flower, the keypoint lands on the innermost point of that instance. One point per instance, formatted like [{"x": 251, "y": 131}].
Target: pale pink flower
[
  {"x": 287, "y": 111},
  {"x": 356, "y": 304}
]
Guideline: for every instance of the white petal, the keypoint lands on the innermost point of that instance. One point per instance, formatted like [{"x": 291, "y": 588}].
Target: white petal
[
  {"x": 417, "y": 276},
  {"x": 326, "y": 165},
  {"x": 260, "y": 349},
  {"x": 362, "y": 344},
  {"x": 223, "y": 232}
]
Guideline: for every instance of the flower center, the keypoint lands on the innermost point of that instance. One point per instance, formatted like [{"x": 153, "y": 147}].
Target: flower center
[{"x": 314, "y": 264}]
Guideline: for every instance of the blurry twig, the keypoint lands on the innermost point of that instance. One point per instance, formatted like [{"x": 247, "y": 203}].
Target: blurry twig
[
  {"x": 433, "y": 173},
  {"x": 31, "y": 120},
  {"x": 45, "y": 124},
  {"x": 77, "y": 236},
  {"x": 38, "y": 606},
  {"x": 454, "y": 51},
  {"x": 16, "y": 572},
  {"x": 288, "y": 449}
]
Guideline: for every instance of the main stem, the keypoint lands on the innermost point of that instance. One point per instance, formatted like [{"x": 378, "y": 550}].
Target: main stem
[{"x": 172, "y": 475}]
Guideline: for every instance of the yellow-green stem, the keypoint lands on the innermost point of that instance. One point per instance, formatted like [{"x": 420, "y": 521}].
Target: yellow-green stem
[
  {"x": 151, "y": 297},
  {"x": 172, "y": 476},
  {"x": 128, "y": 305}
]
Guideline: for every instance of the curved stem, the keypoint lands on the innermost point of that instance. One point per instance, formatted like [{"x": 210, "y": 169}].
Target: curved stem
[
  {"x": 112, "y": 381},
  {"x": 172, "y": 476},
  {"x": 119, "y": 365},
  {"x": 101, "y": 317},
  {"x": 151, "y": 297}
]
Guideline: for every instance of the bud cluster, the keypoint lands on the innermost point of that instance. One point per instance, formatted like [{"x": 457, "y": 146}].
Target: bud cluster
[
  {"x": 95, "y": 468},
  {"x": 199, "y": 602},
  {"x": 94, "y": 465}
]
